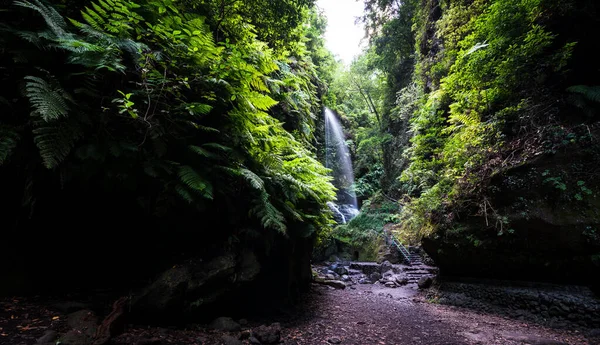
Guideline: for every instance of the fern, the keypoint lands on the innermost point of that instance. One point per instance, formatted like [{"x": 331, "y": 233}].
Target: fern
[
  {"x": 201, "y": 151},
  {"x": 195, "y": 182},
  {"x": 269, "y": 215},
  {"x": 55, "y": 140},
  {"x": 591, "y": 93},
  {"x": 53, "y": 19},
  {"x": 48, "y": 101},
  {"x": 8, "y": 141},
  {"x": 255, "y": 181}
]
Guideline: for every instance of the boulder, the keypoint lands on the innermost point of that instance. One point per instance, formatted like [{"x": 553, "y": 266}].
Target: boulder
[
  {"x": 195, "y": 284},
  {"x": 225, "y": 324},
  {"x": 386, "y": 266},
  {"x": 375, "y": 276},
  {"x": 74, "y": 337},
  {"x": 424, "y": 282},
  {"x": 341, "y": 270},
  {"x": 268, "y": 334},
  {"x": 401, "y": 280},
  {"x": 84, "y": 321}
]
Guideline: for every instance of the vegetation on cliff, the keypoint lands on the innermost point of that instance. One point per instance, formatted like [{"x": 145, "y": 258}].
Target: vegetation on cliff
[
  {"x": 459, "y": 95},
  {"x": 161, "y": 118}
]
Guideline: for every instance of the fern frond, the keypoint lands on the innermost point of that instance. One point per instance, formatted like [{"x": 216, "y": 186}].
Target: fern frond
[
  {"x": 201, "y": 151},
  {"x": 48, "y": 101},
  {"x": 255, "y": 181},
  {"x": 55, "y": 140},
  {"x": 8, "y": 141},
  {"x": 184, "y": 193},
  {"x": 53, "y": 19},
  {"x": 270, "y": 217},
  {"x": 591, "y": 93},
  {"x": 219, "y": 147},
  {"x": 194, "y": 181}
]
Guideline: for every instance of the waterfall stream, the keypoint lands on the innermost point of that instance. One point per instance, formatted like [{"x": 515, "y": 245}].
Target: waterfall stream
[{"x": 337, "y": 158}]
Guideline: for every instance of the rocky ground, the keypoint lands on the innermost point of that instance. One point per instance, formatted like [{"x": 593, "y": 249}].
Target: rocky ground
[{"x": 371, "y": 312}]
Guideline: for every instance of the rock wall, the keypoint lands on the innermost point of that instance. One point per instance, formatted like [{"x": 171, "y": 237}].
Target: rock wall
[
  {"x": 535, "y": 227},
  {"x": 552, "y": 305}
]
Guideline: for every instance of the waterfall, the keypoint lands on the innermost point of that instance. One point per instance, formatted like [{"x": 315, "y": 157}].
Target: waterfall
[{"x": 337, "y": 158}]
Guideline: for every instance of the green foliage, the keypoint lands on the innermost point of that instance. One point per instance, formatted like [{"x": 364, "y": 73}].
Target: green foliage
[{"x": 165, "y": 95}]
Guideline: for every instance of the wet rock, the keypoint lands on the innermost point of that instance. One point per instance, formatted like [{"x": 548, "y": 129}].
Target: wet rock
[
  {"x": 424, "y": 282},
  {"x": 268, "y": 334},
  {"x": 229, "y": 340},
  {"x": 225, "y": 324}
]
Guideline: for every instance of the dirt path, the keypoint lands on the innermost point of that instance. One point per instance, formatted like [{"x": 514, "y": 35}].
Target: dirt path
[
  {"x": 369, "y": 314},
  {"x": 360, "y": 314}
]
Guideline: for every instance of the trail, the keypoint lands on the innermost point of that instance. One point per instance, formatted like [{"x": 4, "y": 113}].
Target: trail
[
  {"x": 358, "y": 315},
  {"x": 370, "y": 314}
]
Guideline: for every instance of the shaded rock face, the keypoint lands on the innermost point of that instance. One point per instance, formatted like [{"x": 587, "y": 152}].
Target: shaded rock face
[
  {"x": 203, "y": 288},
  {"x": 547, "y": 233}
]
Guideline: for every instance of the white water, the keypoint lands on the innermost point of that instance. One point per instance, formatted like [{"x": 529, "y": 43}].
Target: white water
[{"x": 337, "y": 158}]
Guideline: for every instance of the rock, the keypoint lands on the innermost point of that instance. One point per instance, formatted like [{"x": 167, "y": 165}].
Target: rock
[
  {"x": 334, "y": 340},
  {"x": 74, "y": 337},
  {"x": 83, "y": 321},
  {"x": 424, "y": 282},
  {"x": 253, "y": 340},
  {"x": 388, "y": 273},
  {"x": 333, "y": 283},
  {"x": 345, "y": 278},
  {"x": 401, "y": 280},
  {"x": 390, "y": 284},
  {"x": 341, "y": 270},
  {"x": 243, "y": 322},
  {"x": 386, "y": 266},
  {"x": 366, "y": 267},
  {"x": 225, "y": 324},
  {"x": 48, "y": 337},
  {"x": 375, "y": 276},
  {"x": 245, "y": 334},
  {"x": 268, "y": 334},
  {"x": 336, "y": 284},
  {"x": 330, "y": 276},
  {"x": 229, "y": 340},
  {"x": 364, "y": 281}
]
